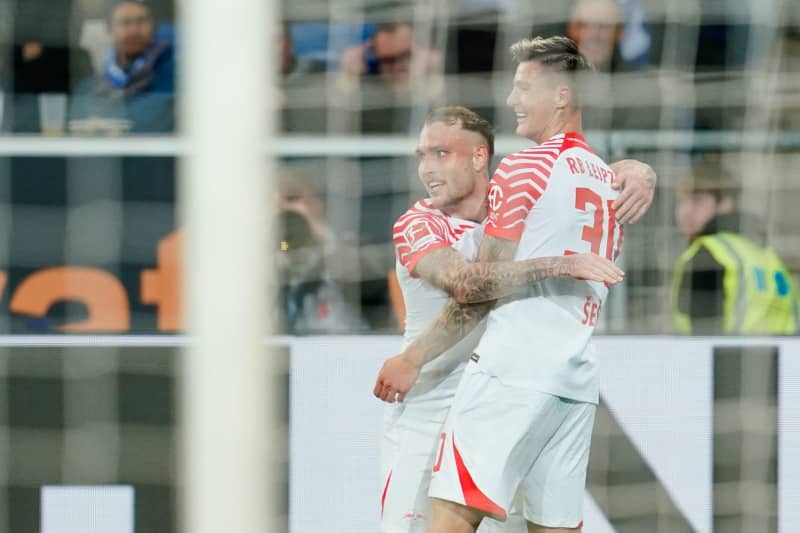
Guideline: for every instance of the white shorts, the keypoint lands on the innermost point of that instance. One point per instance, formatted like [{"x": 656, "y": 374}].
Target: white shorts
[
  {"x": 411, "y": 439},
  {"x": 411, "y": 432},
  {"x": 500, "y": 439}
]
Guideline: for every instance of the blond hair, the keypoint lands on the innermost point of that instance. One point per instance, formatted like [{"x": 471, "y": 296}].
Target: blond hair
[
  {"x": 469, "y": 120},
  {"x": 558, "y": 53}
]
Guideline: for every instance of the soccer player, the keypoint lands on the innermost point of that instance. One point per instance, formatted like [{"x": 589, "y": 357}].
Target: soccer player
[
  {"x": 432, "y": 239},
  {"x": 522, "y": 416}
]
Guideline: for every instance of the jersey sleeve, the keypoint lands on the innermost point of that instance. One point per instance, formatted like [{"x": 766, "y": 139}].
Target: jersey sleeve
[
  {"x": 416, "y": 235},
  {"x": 517, "y": 184}
]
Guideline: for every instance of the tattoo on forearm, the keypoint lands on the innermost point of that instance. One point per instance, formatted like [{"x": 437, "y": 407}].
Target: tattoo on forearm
[
  {"x": 453, "y": 324},
  {"x": 492, "y": 281},
  {"x": 480, "y": 282}
]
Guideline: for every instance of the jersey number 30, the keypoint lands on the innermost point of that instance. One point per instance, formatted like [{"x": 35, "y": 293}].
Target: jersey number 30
[{"x": 593, "y": 234}]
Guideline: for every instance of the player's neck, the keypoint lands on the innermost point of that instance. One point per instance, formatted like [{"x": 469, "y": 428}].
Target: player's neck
[
  {"x": 472, "y": 207},
  {"x": 566, "y": 122}
]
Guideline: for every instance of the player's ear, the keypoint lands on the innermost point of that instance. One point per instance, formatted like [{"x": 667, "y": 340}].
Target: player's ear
[
  {"x": 480, "y": 157},
  {"x": 563, "y": 96}
]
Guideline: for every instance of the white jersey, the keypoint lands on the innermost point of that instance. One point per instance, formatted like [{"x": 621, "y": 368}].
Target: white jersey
[
  {"x": 554, "y": 199},
  {"x": 419, "y": 231}
]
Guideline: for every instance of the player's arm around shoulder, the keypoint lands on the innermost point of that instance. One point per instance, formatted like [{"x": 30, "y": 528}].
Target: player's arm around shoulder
[
  {"x": 637, "y": 182},
  {"x": 464, "y": 281},
  {"x": 441, "y": 268},
  {"x": 455, "y": 321},
  {"x": 495, "y": 275}
]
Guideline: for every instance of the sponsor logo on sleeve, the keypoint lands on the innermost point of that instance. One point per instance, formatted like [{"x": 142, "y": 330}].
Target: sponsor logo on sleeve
[
  {"x": 495, "y": 201},
  {"x": 419, "y": 235}
]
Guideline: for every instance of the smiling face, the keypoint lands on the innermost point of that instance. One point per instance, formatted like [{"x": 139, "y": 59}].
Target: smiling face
[
  {"x": 451, "y": 162},
  {"x": 534, "y": 98}
]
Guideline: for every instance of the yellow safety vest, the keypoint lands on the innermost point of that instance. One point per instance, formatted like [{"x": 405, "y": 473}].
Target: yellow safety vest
[{"x": 760, "y": 297}]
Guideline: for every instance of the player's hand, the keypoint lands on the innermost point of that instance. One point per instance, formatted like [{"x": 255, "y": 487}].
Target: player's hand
[
  {"x": 398, "y": 375},
  {"x": 638, "y": 183},
  {"x": 592, "y": 267}
]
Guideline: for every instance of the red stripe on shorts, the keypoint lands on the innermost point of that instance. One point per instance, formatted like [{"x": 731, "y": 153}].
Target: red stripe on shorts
[
  {"x": 385, "y": 488},
  {"x": 473, "y": 496}
]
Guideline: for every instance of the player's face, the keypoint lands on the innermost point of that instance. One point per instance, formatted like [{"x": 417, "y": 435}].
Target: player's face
[
  {"x": 693, "y": 211},
  {"x": 534, "y": 99},
  {"x": 445, "y": 155}
]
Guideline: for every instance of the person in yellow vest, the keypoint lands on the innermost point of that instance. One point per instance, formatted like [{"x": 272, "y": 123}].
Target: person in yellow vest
[{"x": 728, "y": 281}]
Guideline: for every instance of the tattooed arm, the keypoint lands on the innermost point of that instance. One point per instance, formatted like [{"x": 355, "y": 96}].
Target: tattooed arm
[
  {"x": 474, "y": 289},
  {"x": 484, "y": 281},
  {"x": 455, "y": 321},
  {"x": 492, "y": 277}
]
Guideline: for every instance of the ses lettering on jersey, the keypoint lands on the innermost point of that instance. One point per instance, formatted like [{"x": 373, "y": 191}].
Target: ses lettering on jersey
[{"x": 591, "y": 311}]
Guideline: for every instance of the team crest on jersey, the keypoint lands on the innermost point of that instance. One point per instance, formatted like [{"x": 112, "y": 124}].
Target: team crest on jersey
[
  {"x": 419, "y": 234},
  {"x": 495, "y": 200}
]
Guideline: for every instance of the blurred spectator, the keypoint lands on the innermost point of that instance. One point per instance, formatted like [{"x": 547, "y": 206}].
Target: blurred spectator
[
  {"x": 729, "y": 281},
  {"x": 387, "y": 54},
  {"x": 313, "y": 264},
  {"x": 788, "y": 49},
  {"x": 621, "y": 94},
  {"x": 596, "y": 25},
  {"x": 43, "y": 60},
  {"x": 636, "y": 39},
  {"x": 302, "y": 88},
  {"x": 137, "y": 80},
  {"x": 293, "y": 66},
  {"x": 597, "y": 28},
  {"x": 391, "y": 74}
]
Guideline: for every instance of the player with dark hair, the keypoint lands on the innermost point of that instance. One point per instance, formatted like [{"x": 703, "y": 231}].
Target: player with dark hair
[
  {"x": 434, "y": 241},
  {"x": 524, "y": 409}
]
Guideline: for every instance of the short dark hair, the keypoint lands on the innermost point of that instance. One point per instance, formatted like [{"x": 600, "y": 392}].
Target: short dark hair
[
  {"x": 114, "y": 4},
  {"x": 392, "y": 27},
  {"x": 468, "y": 119},
  {"x": 558, "y": 53}
]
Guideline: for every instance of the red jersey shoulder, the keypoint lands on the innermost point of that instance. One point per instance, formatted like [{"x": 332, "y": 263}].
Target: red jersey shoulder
[
  {"x": 519, "y": 181},
  {"x": 419, "y": 231},
  {"x": 576, "y": 140},
  {"x": 421, "y": 222},
  {"x": 538, "y": 160},
  {"x": 423, "y": 229}
]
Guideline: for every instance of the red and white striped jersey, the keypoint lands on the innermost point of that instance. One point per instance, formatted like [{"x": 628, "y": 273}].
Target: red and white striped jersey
[
  {"x": 419, "y": 231},
  {"x": 554, "y": 199}
]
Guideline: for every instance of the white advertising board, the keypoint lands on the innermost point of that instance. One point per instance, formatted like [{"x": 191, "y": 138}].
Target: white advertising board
[{"x": 660, "y": 389}]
